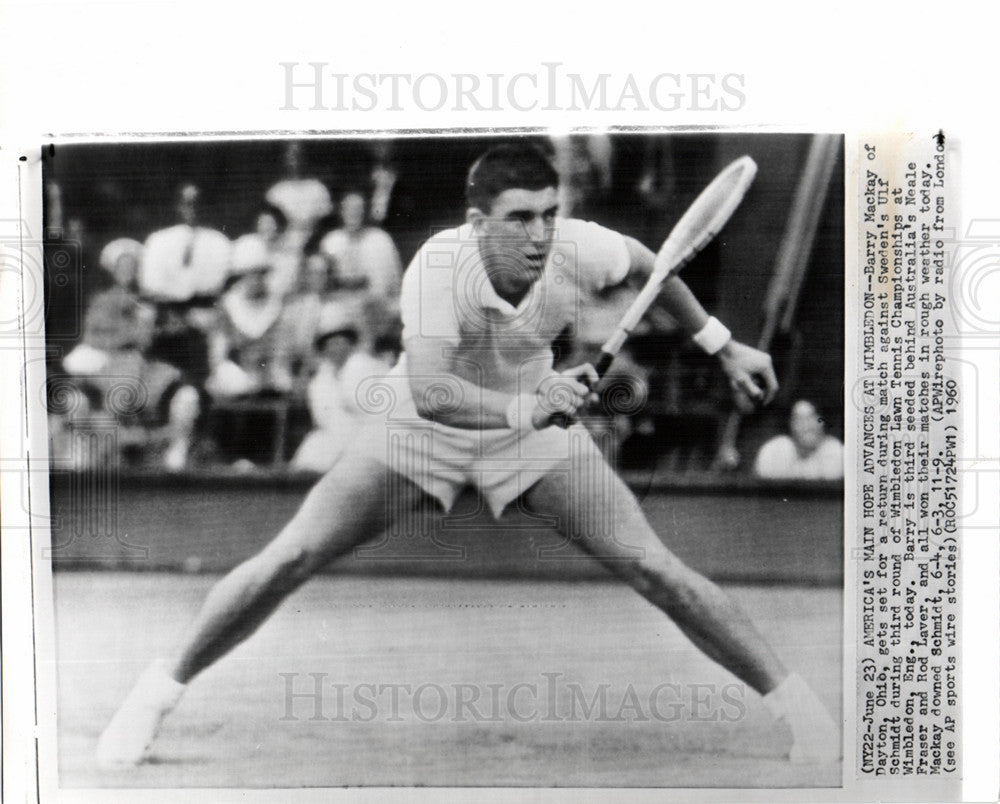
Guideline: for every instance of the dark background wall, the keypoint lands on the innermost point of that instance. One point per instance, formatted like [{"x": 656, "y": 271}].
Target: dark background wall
[{"x": 743, "y": 532}]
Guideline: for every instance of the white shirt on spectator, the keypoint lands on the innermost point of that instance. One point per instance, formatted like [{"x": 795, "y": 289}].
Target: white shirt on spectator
[
  {"x": 182, "y": 261},
  {"x": 780, "y": 459},
  {"x": 302, "y": 201},
  {"x": 336, "y": 411},
  {"x": 366, "y": 254}
]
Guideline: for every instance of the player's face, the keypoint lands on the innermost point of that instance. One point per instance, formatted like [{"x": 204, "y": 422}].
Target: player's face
[{"x": 515, "y": 236}]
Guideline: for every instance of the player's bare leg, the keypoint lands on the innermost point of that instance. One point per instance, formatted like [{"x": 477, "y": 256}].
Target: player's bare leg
[
  {"x": 346, "y": 507},
  {"x": 703, "y": 611}
]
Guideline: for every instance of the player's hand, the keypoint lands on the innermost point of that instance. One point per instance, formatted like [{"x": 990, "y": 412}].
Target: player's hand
[
  {"x": 750, "y": 373},
  {"x": 560, "y": 397}
]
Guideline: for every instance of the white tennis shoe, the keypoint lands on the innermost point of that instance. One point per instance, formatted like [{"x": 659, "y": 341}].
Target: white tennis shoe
[
  {"x": 815, "y": 736},
  {"x": 124, "y": 742}
]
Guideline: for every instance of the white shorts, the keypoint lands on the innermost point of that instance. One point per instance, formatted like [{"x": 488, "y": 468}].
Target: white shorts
[{"x": 501, "y": 464}]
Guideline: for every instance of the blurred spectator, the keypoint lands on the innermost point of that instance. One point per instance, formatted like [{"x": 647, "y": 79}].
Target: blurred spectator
[
  {"x": 342, "y": 365},
  {"x": 243, "y": 347},
  {"x": 115, "y": 317},
  {"x": 184, "y": 261},
  {"x": 76, "y": 415},
  {"x": 270, "y": 226},
  {"x": 147, "y": 398},
  {"x": 384, "y": 177},
  {"x": 807, "y": 453},
  {"x": 367, "y": 268},
  {"x": 183, "y": 270},
  {"x": 53, "y": 209},
  {"x": 303, "y": 201},
  {"x": 584, "y": 165},
  {"x": 365, "y": 256},
  {"x": 299, "y": 319},
  {"x": 319, "y": 294}
]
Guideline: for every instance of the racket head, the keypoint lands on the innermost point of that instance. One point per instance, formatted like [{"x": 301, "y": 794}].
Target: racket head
[{"x": 706, "y": 216}]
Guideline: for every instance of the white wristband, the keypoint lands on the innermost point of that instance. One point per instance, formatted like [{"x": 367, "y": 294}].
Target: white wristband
[
  {"x": 519, "y": 413},
  {"x": 713, "y": 336}
]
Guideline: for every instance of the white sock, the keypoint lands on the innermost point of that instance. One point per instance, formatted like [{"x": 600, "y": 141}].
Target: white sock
[
  {"x": 787, "y": 696},
  {"x": 815, "y": 737},
  {"x": 130, "y": 732},
  {"x": 161, "y": 685}
]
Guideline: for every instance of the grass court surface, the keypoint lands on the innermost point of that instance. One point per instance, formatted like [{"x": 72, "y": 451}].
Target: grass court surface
[{"x": 229, "y": 731}]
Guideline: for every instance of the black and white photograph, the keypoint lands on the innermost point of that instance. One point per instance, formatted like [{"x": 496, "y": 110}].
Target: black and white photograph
[
  {"x": 447, "y": 460},
  {"x": 460, "y": 402}
]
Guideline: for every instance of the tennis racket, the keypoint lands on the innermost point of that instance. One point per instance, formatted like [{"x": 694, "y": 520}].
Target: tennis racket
[{"x": 703, "y": 220}]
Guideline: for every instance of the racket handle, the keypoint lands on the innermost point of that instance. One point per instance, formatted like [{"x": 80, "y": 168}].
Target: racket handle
[
  {"x": 601, "y": 367},
  {"x": 603, "y": 364}
]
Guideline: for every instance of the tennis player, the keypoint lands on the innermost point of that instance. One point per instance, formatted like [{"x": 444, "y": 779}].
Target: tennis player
[{"x": 477, "y": 402}]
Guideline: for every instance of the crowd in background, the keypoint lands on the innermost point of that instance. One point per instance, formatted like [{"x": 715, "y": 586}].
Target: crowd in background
[{"x": 301, "y": 307}]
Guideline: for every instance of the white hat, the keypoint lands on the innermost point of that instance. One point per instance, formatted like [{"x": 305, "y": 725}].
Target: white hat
[
  {"x": 117, "y": 249},
  {"x": 249, "y": 254}
]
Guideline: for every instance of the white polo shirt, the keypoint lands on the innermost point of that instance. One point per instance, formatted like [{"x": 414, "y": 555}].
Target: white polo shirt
[{"x": 447, "y": 296}]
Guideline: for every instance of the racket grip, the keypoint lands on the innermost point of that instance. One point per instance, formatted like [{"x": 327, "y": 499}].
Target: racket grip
[
  {"x": 603, "y": 364},
  {"x": 562, "y": 420},
  {"x": 601, "y": 367}
]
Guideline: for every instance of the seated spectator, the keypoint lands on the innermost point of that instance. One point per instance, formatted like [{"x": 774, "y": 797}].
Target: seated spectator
[
  {"x": 183, "y": 270},
  {"x": 303, "y": 201},
  {"x": 75, "y": 413},
  {"x": 184, "y": 261},
  {"x": 366, "y": 257},
  {"x": 243, "y": 347},
  {"x": 146, "y": 396},
  {"x": 807, "y": 453},
  {"x": 283, "y": 261},
  {"x": 332, "y": 395},
  {"x": 115, "y": 317},
  {"x": 300, "y": 319}
]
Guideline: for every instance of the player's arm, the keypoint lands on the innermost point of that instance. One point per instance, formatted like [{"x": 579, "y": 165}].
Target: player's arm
[
  {"x": 749, "y": 370},
  {"x": 429, "y": 307},
  {"x": 441, "y": 396}
]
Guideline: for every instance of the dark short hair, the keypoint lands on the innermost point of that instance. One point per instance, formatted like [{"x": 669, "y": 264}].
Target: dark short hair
[{"x": 505, "y": 167}]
